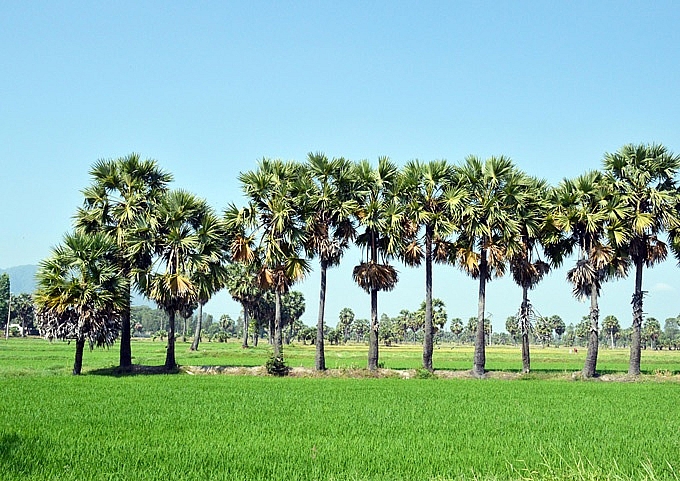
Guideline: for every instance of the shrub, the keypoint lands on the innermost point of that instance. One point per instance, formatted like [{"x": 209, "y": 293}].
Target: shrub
[{"x": 276, "y": 367}]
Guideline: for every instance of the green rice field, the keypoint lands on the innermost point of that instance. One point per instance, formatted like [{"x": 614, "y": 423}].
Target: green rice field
[{"x": 100, "y": 426}]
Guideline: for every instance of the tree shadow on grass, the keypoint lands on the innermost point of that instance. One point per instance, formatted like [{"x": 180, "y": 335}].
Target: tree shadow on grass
[
  {"x": 20, "y": 456},
  {"x": 134, "y": 370}
]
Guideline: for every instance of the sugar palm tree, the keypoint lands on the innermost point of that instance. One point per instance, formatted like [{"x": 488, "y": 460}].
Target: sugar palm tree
[
  {"x": 241, "y": 284},
  {"x": 241, "y": 279},
  {"x": 645, "y": 177},
  {"x": 330, "y": 225},
  {"x": 429, "y": 197},
  {"x": 488, "y": 230},
  {"x": 123, "y": 192},
  {"x": 211, "y": 276},
  {"x": 277, "y": 200},
  {"x": 526, "y": 266},
  {"x": 176, "y": 246},
  {"x": 381, "y": 217},
  {"x": 587, "y": 211},
  {"x": 80, "y": 294}
]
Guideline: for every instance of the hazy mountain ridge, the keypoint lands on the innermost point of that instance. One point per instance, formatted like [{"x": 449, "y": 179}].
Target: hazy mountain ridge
[{"x": 21, "y": 278}]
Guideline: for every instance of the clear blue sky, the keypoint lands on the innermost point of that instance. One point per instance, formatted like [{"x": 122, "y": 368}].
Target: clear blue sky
[{"x": 208, "y": 88}]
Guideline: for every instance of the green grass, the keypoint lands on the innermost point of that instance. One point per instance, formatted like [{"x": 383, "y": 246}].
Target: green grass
[
  {"x": 179, "y": 427},
  {"x": 31, "y": 355}
]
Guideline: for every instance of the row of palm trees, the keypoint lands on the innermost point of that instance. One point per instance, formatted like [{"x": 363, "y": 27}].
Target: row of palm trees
[{"x": 483, "y": 216}]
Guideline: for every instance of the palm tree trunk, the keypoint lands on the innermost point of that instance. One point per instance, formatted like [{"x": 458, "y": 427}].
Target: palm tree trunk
[
  {"x": 478, "y": 367},
  {"x": 373, "y": 330},
  {"x": 525, "y": 328},
  {"x": 78, "y": 363},
  {"x": 320, "y": 358},
  {"x": 245, "y": 327},
  {"x": 170, "y": 363},
  {"x": 373, "y": 333},
  {"x": 427, "y": 343},
  {"x": 199, "y": 325},
  {"x": 125, "y": 359},
  {"x": 278, "y": 341},
  {"x": 634, "y": 365},
  {"x": 593, "y": 343},
  {"x": 611, "y": 334},
  {"x": 272, "y": 331}
]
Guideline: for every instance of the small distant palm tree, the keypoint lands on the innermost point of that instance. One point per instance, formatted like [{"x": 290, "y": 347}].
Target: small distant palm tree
[
  {"x": 488, "y": 230},
  {"x": 80, "y": 293},
  {"x": 242, "y": 287},
  {"x": 644, "y": 176},
  {"x": 211, "y": 276}
]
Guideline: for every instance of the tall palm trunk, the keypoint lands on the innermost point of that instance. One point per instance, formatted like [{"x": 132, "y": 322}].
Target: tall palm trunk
[
  {"x": 245, "y": 326},
  {"x": 199, "y": 326},
  {"x": 272, "y": 331},
  {"x": 125, "y": 359},
  {"x": 278, "y": 338},
  {"x": 320, "y": 359},
  {"x": 611, "y": 335},
  {"x": 170, "y": 363},
  {"x": 525, "y": 328},
  {"x": 593, "y": 343},
  {"x": 634, "y": 365},
  {"x": 478, "y": 367},
  {"x": 428, "y": 343},
  {"x": 78, "y": 363},
  {"x": 373, "y": 331}
]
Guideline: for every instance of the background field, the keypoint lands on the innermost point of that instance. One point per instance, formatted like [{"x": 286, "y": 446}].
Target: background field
[
  {"x": 153, "y": 427},
  {"x": 37, "y": 355}
]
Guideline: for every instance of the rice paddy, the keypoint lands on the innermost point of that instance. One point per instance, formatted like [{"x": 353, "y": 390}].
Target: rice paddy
[{"x": 181, "y": 427}]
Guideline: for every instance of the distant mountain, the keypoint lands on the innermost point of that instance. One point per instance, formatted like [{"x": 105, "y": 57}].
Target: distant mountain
[{"x": 21, "y": 278}]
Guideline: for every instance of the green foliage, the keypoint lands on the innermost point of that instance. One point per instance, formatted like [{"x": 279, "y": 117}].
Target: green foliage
[
  {"x": 277, "y": 367},
  {"x": 4, "y": 297},
  {"x": 221, "y": 336},
  {"x": 425, "y": 374},
  {"x": 151, "y": 319}
]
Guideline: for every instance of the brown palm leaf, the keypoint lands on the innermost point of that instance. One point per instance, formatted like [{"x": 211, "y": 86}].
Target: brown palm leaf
[
  {"x": 371, "y": 275},
  {"x": 468, "y": 260},
  {"x": 413, "y": 253},
  {"x": 442, "y": 251},
  {"x": 657, "y": 251},
  {"x": 526, "y": 273},
  {"x": 242, "y": 250},
  {"x": 584, "y": 277}
]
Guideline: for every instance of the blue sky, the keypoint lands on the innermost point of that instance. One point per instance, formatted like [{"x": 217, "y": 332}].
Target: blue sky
[{"x": 208, "y": 88}]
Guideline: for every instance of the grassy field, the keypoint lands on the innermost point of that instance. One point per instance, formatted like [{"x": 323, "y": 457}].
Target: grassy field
[
  {"x": 33, "y": 355},
  {"x": 179, "y": 427}
]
